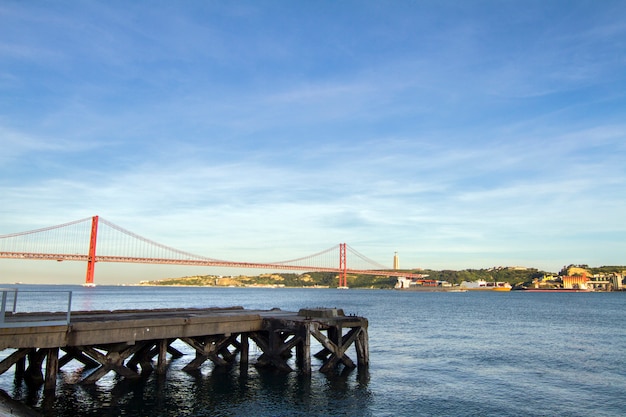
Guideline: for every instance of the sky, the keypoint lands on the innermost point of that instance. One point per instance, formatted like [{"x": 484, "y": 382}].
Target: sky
[{"x": 459, "y": 134}]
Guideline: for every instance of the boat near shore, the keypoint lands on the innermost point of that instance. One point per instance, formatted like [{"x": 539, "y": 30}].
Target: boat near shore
[
  {"x": 482, "y": 285},
  {"x": 426, "y": 285},
  {"x": 555, "y": 290},
  {"x": 423, "y": 288}
]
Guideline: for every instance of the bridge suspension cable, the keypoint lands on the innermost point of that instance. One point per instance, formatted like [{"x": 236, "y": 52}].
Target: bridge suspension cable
[
  {"x": 66, "y": 238},
  {"x": 111, "y": 244},
  {"x": 327, "y": 257},
  {"x": 77, "y": 241},
  {"x": 369, "y": 262}
]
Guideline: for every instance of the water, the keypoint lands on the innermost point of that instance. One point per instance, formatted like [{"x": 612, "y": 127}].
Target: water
[{"x": 431, "y": 354}]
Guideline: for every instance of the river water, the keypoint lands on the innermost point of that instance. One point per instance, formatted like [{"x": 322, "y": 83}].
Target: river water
[{"x": 431, "y": 354}]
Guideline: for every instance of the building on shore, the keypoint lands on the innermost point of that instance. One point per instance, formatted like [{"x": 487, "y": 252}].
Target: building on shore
[{"x": 578, "y": 282}]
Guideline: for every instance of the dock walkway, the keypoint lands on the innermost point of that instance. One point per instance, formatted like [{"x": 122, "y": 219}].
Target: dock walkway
[{"x": 132, "y": 343}]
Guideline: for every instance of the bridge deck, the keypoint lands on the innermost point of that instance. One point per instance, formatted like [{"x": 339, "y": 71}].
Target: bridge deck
[{"x": 122, "y": 341}]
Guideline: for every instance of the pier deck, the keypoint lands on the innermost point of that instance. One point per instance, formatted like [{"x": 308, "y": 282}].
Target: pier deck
[{"x": 124, "y": 341}]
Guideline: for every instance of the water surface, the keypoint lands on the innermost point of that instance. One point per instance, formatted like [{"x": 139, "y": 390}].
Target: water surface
[{"x": 431, "y": 354}]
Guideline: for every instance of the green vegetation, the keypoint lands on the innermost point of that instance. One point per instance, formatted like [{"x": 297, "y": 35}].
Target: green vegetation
[
  {"x": 310, "y": 279},
  {"x": 511, "y": 275},
  {"x": 275, "y": 280},
  {"x": 514, "y": 276},
  {"x": 595, "y": 270}
]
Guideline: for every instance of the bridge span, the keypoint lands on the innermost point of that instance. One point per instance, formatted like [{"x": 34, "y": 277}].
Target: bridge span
[{"x": 111, "y": 243}]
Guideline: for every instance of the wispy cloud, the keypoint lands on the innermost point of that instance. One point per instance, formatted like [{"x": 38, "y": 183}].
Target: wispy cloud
[{"x": 459, "y": 136}]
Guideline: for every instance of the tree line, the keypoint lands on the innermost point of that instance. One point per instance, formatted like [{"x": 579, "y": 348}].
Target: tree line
[{"x": 513, "y": 276}]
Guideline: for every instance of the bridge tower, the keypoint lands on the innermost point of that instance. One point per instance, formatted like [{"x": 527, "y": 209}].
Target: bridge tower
[
  {"x": 343, "y": 266},
  {"x": 91, "y": 259}
]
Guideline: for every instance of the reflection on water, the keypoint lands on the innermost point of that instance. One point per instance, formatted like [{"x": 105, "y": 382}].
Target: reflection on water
[{"x": 216, "y": 391}]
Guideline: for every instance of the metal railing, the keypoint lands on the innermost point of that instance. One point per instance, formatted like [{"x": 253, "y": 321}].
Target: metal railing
[{"x": 31, "y": 308}]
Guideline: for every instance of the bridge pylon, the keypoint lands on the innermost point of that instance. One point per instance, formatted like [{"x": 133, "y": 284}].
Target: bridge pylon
[
  {"x": 343, "y": 266},
  {"x": 91, "y": 259}
]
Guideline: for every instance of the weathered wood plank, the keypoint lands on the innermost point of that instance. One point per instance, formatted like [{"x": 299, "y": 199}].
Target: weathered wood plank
[
  {"x": 10, "y": 360},
  {"x": 73, "y": 353}
]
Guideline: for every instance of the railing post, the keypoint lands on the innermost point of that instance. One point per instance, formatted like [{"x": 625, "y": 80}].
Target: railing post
[
  {"x": 69, "y": 306},
  {"x": 4, "y": 304},
  {"x": 15, "y": 301}
]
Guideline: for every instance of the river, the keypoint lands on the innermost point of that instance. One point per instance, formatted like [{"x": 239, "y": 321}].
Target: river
[{"x": 431, "y": 354}]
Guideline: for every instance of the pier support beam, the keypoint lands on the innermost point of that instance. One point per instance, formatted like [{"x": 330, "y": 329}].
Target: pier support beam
[
  {"x": 72, "y": 353},
  {"x": 282, "y": 335},
  {"x": 303, "y": 349},
  {"x": 52, "y": 367},
  {"x": 244, "y": 351},
  {"x": 17, "y": 358},
  {"x": 361, "y": 345},
  {"x": 34, "y": 374},
  {"x": 143, "y": 357},
  {"x": 276, "y": 343},
  {"x": 162, "y": 357},
  {"x": 337, "y": 347},
  {"x": 112, "y": 360},
  {"x": 214, "y": 348}
]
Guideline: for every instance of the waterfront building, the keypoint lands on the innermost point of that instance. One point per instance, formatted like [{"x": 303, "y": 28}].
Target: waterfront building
[{"x": 575, "y": 282}]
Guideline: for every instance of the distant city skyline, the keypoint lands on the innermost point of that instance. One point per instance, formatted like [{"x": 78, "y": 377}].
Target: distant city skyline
[{"x": 457, "y": 134}]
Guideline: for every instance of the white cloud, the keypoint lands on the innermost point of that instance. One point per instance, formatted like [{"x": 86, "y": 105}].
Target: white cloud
[{"x": 467, "y": 144}]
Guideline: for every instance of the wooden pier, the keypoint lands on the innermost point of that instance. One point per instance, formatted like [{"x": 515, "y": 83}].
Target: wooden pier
[{"x": 133, "y": 343}]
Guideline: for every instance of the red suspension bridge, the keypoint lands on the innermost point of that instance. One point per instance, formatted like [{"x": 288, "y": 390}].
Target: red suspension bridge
[{"x": 95, "y": 239}]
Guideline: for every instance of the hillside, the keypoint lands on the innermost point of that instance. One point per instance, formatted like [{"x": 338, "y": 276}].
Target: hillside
[{"x": 512, "y": 275}]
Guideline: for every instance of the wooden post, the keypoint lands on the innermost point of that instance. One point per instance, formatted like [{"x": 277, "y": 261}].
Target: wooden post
[
  {"x": 244, "y": 354},
  {"x": 52, "y": 367},
  {"x": 162, "y": 358},
  {"x": 20, "y": 367},
  {"x": 34, "y": 374},
  {"x": 337, "y": 334},
  {"x": 361, "y": 345},
  {"x": 303, "y": 349}
]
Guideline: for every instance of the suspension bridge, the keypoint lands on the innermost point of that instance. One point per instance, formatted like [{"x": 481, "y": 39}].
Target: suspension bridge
[{"x": 95, "y": 239}]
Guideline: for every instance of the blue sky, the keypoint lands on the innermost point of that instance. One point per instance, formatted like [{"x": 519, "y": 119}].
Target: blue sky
[{"x": 459, "y": 134}]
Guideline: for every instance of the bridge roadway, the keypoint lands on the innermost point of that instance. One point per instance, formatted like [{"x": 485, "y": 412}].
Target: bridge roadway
[{"x": 122, "y": 341}]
